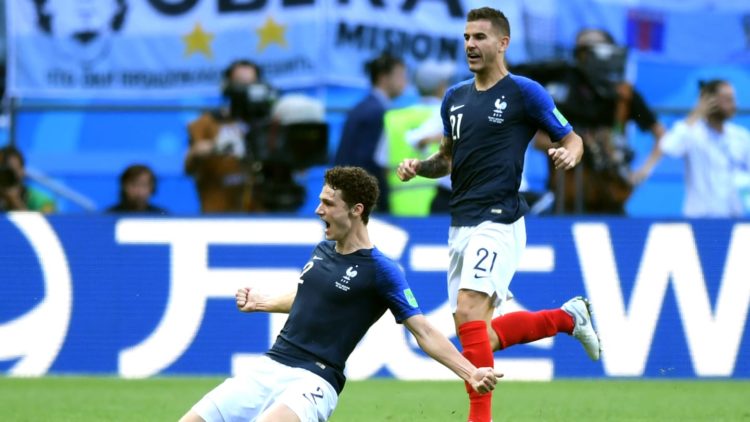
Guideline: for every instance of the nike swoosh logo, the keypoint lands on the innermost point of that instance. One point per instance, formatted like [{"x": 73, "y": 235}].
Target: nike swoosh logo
[
  {"x": 580, "y": 318},
  {"x": 480, "y": 276},
  {"x": 317, "y": 257},
  {"x": 454, "y": 108}
]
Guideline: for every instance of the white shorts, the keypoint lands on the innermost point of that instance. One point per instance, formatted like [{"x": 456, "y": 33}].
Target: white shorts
[
  {"x": 484, "y": 258},
  {"x": 244, "y": 398}
]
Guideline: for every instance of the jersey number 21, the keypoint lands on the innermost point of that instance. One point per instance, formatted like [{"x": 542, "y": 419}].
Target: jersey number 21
[{"x": 456, "y": 126}]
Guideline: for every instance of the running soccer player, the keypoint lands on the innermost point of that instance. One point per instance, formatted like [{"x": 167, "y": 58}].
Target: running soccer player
[
  {"x": 343, "y": 290},
  {"x": 488, "y": 122}
]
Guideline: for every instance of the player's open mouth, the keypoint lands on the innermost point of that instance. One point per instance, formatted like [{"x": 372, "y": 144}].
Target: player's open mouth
[{"x": 472, "y": 56}]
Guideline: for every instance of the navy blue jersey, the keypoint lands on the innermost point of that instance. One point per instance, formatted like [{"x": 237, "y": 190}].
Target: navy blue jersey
[
  {"x": 490, "y": 131},
  {"x": 338, "y": 298}
]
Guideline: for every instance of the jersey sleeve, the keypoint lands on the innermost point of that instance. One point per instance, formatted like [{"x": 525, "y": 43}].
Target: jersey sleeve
[
  {"x": 542, "y": 110},
  {"x": 444, "y": 113},
  {"x": 394, "y": 290}
]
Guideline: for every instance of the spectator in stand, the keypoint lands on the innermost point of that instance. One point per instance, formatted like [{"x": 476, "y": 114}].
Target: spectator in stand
[
  {"x": 363, "y": 129},
  {"x": 716, "y": 153},
  {"x": 137, "y": 186},
  {"x": 15, "y": 194},
  {"x": 416, "y": 131}
]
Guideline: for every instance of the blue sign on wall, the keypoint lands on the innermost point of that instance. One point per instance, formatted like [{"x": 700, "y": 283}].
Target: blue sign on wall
[{"x": 140, "y": 297}]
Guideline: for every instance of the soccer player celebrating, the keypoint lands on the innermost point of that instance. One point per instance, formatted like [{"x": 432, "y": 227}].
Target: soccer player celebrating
[
  {"x": 488, "y": 122},
  {"x": 344, "y": 289}
]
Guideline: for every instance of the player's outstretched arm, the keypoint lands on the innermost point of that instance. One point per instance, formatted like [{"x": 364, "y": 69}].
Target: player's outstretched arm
[
  {"x": 435, "y": 344},
  {"x": 568, "y": 152},
  {"x": 251, "y": 300},
  {"x": 435, "y": 166}
]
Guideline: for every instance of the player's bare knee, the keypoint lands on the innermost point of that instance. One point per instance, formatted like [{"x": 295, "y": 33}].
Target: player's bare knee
[
  {"x": 468, "y": 313},
  {"x": 472, "y": 306}
]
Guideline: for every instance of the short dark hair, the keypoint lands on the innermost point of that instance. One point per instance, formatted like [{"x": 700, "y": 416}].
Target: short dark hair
[
  {"x": 357, "y": 186},
  {"x": 10, "y": 151},
  {"x": 711, "y": 86},
  {"x": 608, "y": 38},
  {"x": 227, "y": 73},
  {"x": 497, "y": 18},
  {"x": 131, "y": 173},
  {"x": 382, "y": 65}
]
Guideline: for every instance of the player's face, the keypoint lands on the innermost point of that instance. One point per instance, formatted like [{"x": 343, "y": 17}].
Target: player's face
[
  {"x": 484, "y": 45},
  {"x": 335, "y": 213}
]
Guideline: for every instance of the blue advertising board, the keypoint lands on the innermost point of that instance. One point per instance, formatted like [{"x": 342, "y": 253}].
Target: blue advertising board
[{"x": 139, "y": 297}]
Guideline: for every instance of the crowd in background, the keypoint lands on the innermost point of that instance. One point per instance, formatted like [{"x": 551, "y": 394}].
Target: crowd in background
[{"x": 231, "y": 160}]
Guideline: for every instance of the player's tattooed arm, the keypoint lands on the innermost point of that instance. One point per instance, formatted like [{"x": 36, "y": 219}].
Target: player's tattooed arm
[{"x": 439, "y": 163}]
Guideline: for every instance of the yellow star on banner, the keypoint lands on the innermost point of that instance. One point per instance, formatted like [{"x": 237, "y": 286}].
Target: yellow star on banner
[
  {"x": 198, "y": 41},
  {"x": 271, "y": 32}
]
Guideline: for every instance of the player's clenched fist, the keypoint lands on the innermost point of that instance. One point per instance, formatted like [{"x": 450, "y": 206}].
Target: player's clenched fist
[
  {"x": 246, "y": 301},
  {"x": 407, "y": 169},
  {"x": 562, "y": 158},
  {"x": 484, "y": 379}
]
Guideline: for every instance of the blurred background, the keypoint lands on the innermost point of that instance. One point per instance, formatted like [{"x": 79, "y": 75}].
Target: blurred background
[{"x": 93, "y": 87}]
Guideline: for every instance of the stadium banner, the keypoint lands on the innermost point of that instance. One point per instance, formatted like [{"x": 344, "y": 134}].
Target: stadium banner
[
  {"x": 136, "y": 48},
  {"x": 157, "y": 48},
  {"x": 140, "y": 297}
]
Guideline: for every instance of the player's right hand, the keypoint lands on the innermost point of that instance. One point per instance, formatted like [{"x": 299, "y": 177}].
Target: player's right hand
[
  {"x": 407, "y": 169},
  {"x": 246, "y": 302},
  {"x": 484, "y": 379}
]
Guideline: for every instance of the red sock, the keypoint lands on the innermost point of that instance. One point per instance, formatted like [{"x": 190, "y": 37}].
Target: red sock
[
  {"x": 477, "y": 349},
  {"x": 525, "y": 327}
]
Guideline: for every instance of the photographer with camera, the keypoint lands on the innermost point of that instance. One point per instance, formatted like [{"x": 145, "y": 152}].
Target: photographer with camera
[
  {"x": 591, "y": 92},
  {"x": 15, "y": 195},
  {"x": 217, "y": 154},
  {"x": 247, "y": 157}
]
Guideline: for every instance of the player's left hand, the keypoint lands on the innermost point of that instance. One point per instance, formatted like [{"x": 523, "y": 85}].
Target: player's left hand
[
  {"x": 484, "y": 379},
  {"x": 562, "y": 158}
]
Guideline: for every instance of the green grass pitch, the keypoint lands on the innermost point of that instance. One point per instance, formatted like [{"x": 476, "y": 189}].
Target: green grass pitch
[{"x": 166, "y": 399}]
